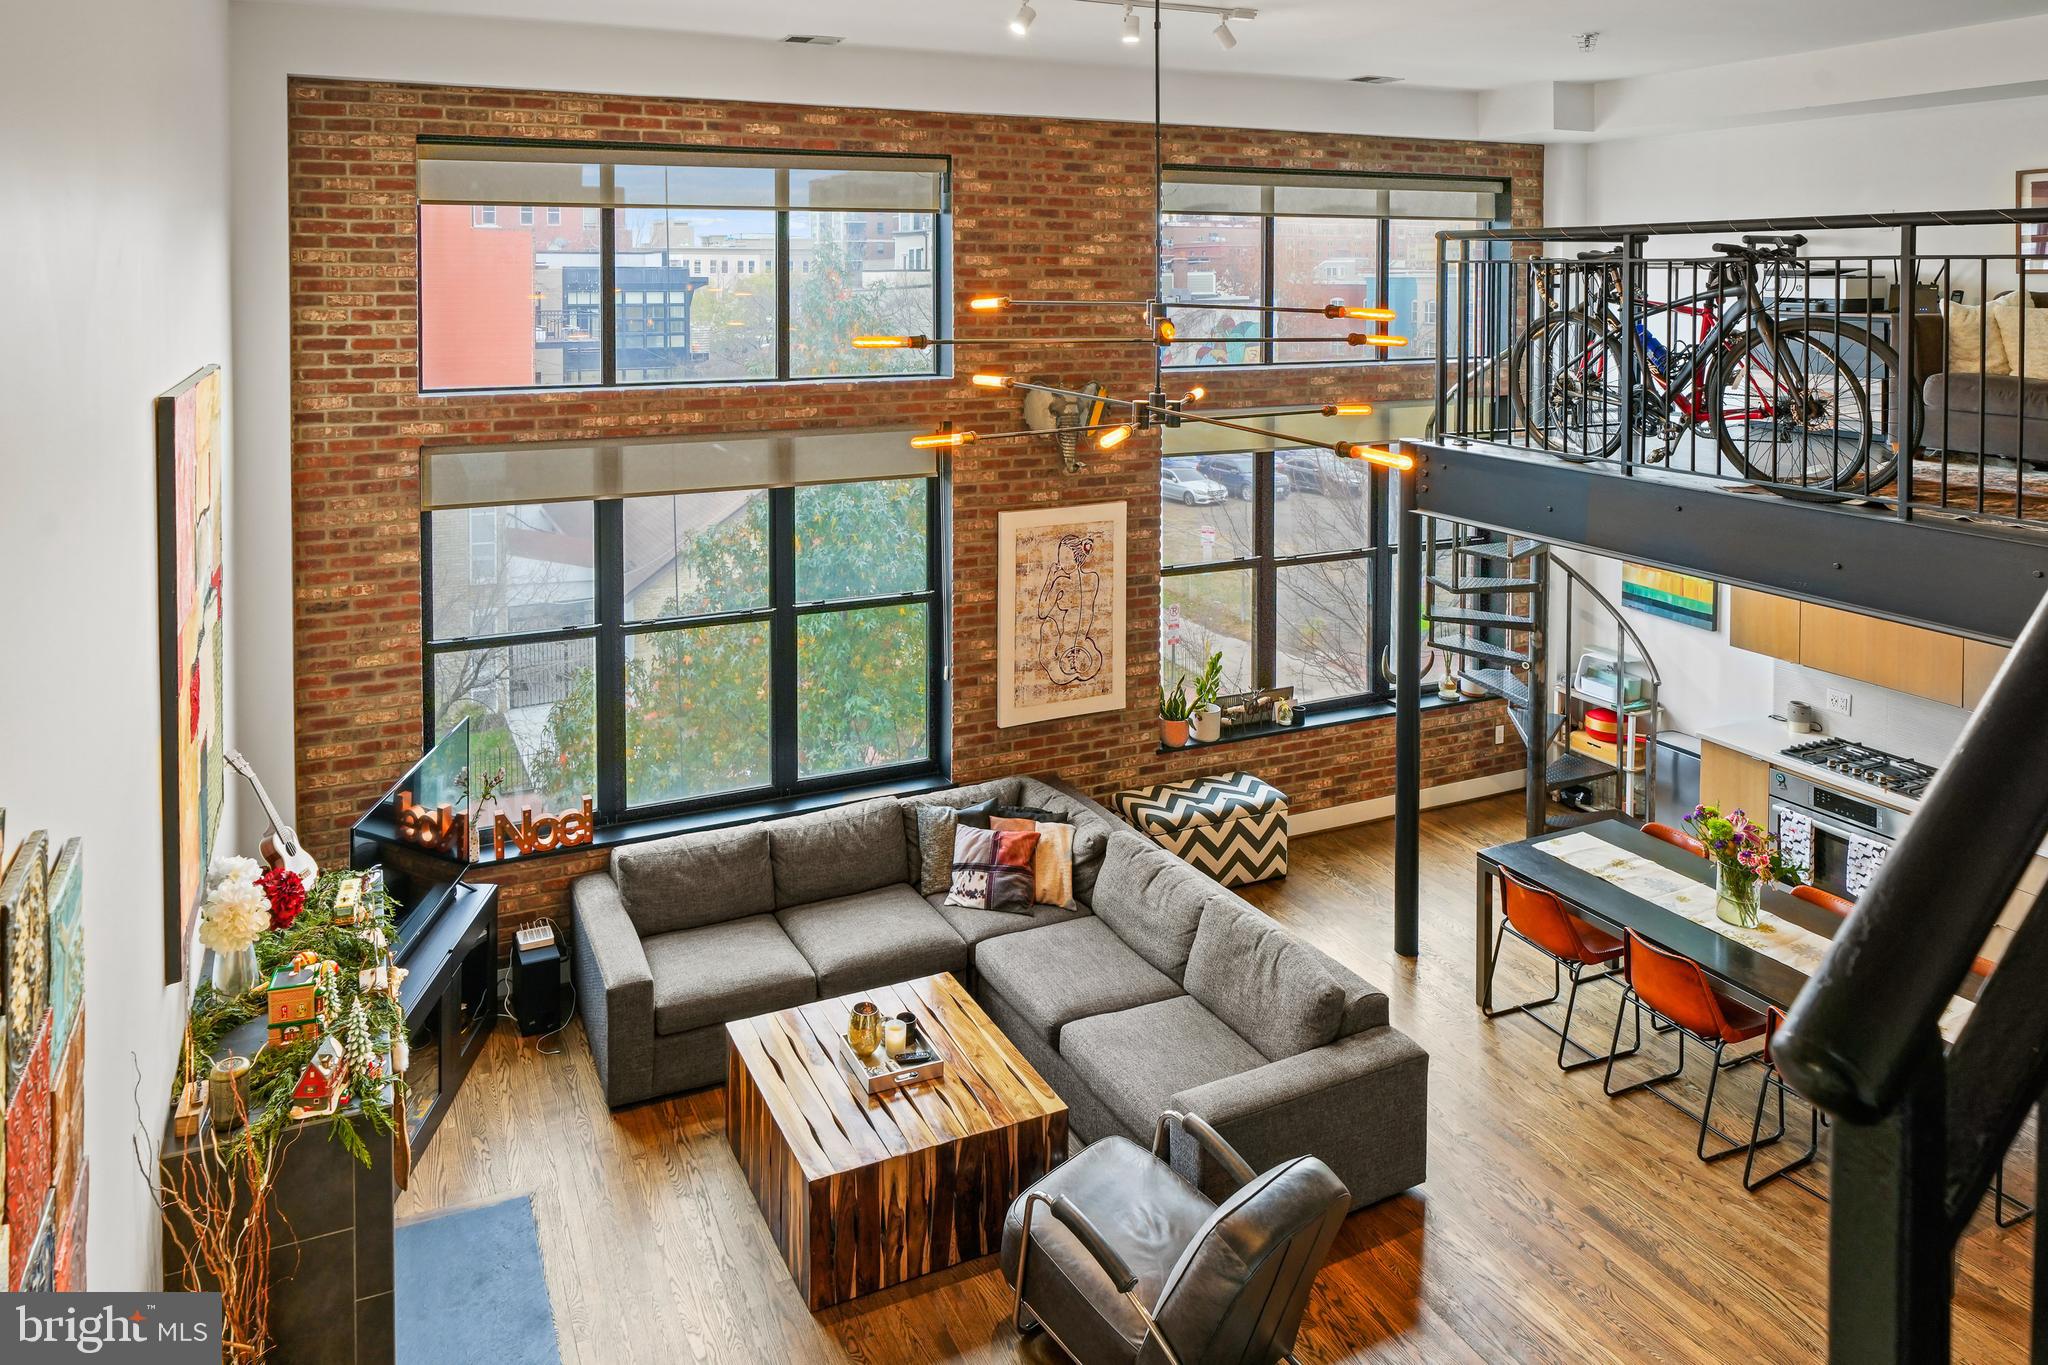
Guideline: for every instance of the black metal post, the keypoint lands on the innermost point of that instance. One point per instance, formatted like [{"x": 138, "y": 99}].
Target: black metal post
[
  {"x": 1443, "y": 360},
  {"x": 1902, "y": 382},
  {"x": 1891, "y": 1260},
  {"x": 1631, "y": 365},
  {"x": 1536, "y": 795},
  {"x": 1408, "y": 708}
]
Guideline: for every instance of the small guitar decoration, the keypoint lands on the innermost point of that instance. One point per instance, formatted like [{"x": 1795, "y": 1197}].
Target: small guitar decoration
[{"x": 280, "y": 847}]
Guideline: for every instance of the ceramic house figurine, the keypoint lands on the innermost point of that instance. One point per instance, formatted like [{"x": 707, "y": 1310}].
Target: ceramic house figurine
[
  {"x": 321, "y": 1084},
  {"x": 300, "y": 993}
]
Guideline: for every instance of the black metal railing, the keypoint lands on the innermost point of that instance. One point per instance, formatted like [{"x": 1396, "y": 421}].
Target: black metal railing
[{"x": 1879, "y": 370}]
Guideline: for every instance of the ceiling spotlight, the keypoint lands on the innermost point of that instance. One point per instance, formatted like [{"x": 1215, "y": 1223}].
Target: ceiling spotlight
[
  {"x": 1225, "y": 39},
  {"x": 1020, "y": 23},
  {"x": 1131, "y": 33}
]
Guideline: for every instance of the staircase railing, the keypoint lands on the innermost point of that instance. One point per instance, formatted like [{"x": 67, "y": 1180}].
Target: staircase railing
[
  {"x": 1625, "y": 634},
  {"x": 1920, "y": 1130}
]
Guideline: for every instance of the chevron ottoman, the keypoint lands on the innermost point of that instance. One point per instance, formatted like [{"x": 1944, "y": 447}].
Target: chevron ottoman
[{"x": 1233, "y": 827}]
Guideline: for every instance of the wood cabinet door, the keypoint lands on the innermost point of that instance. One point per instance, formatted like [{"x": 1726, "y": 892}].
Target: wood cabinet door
[
  {"x": 1980, "y": 663},
  {"x": 1734, "y": 781},
  {"x": 1925, "y": 663},
  {"x": 1764, "y": 623}
]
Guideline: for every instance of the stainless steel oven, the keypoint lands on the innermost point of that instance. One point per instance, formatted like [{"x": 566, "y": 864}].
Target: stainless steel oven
[{"x": 1845, "y": 836}]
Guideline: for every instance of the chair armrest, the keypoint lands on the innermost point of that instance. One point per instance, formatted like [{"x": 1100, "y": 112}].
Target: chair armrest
[
  {"x": 614, "y": 989},
  {"x": 1359, "y": 1103},
  {"x": 1225, "y": 1156},
  {"x": 1113, "y": 1265}
]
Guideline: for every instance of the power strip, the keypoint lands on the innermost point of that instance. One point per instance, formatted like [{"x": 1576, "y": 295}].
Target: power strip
[{"x": 536, "y": 936}]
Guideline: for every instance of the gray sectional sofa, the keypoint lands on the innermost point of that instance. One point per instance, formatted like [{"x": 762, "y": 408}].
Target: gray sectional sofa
[{"x": 1161, "y": 990}]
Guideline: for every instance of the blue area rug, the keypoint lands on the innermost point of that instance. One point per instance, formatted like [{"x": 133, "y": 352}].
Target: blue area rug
[{"x": 470, "y": 1290}]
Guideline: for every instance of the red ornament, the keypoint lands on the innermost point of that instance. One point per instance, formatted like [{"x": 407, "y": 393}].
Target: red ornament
[{"x": 287, "y": 894}]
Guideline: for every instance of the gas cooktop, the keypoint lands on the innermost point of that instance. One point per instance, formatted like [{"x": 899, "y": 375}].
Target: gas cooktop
[{"x": 1865, "y": 764}]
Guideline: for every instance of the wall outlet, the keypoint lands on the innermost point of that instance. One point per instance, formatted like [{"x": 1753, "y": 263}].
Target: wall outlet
[
  {"x": 1839, "y": 701},
  {"x": 1500, "y": 734}
]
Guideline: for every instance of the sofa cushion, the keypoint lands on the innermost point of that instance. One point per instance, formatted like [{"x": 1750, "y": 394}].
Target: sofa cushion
[
  {"x": 1152, "y": 899},
  {"x": 1135, "y": 1060},
  {"x": 873, "y": 938},
  {"x": 1064, "y": 972},
  {"x": 719, "y": 972},
  {"x": 1001, "y": 789},
  {"x": 934, "y": 863},
  {"x": 694, "y": 879},
  {"x": 1365, "y": 1005},
  {"x": 975, "y": 926},
  {"x": 1256, "y": 977},
  {"x": 838, "y": 852}
]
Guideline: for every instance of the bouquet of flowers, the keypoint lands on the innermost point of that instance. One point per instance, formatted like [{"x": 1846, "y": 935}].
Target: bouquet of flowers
[
  {"x": 236, "y": 909},
  {"x": 1745, "y": 855}
]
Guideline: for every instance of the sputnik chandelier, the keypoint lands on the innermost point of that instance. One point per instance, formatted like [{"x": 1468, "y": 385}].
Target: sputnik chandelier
[{"x": 1112, "y": 421}]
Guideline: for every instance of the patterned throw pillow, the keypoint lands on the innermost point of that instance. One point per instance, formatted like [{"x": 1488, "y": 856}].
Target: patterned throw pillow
[
  {"x": 935, "y": 826},
  {"x": 1052, "y": 868},
  {"x": 992, "y": 869}
]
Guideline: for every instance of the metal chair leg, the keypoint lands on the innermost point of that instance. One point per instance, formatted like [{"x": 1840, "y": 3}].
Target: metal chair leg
[
  {"x": 1559, "y": 969},
  {"x": 1607, "y": 1084},
  {"x": 1556, "y": 980},
  {"x": 1999, "y": 1199},
  {"x": 1734, "y": 1144},
  {"x": 1750, "y": 1180}
]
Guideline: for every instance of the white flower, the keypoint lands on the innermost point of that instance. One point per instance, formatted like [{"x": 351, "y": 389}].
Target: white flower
[
  {"x": 227, "y": 867},
  {"x": 235, "y": 912}
]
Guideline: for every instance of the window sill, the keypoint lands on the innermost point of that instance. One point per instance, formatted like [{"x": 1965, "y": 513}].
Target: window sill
[
  {"x": 1322, "y": 720},
  {"x": 685, "y": 385}
]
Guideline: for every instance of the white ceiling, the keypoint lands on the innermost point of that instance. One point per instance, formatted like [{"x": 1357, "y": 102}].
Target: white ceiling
[{"x": 1473, "y": 44}]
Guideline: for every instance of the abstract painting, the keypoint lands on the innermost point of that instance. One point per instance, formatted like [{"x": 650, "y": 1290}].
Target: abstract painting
[
  {"x": 67, "y": 942},
  {"x": 39, "y": 1275},
  {"x": 30, "y": 1154},
  {"x": 2033, "y": 237},
  {"x": 67, "y": 1121},
  {"x": 191, "y": 708},
  {"x": 71, "y": 1238},
  {"x": 1059, "y": 612},
  {"x": 1673, "y": 596},
  {"x": 25, "y": 927}
]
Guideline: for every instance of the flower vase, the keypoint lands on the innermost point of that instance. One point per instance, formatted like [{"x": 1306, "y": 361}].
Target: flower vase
[
  {"x": 235, "y": 973},
  {"x": 1739, "y": 903}
]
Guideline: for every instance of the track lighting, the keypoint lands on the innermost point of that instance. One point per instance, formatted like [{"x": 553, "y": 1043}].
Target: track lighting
[
  {"x": 1225, "y": 39},
  {"x": 1020, "y": 23},
  {"x": 1132, "y": 35}
]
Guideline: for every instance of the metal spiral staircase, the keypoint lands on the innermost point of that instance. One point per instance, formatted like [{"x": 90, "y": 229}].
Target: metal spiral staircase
[{"x": 1490, "y": 609}]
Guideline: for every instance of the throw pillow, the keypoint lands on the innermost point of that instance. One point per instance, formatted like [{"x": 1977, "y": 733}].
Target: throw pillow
[
  {"x": 982, "y": 813},
  {"x": 1052, "y": 867},
  {"x": 2025, "y": 355},
  {"x": 1975, "y": 345},
  {"x": 1256, "y": 977},
  {"x": 935, "y": 826},
  {"x": 992, "y": 870}
]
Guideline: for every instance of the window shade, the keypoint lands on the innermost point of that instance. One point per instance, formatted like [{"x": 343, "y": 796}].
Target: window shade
[
  {"x": 483, "y": 173},
  {"x": 1274, "y": 193},
  {"x": 484, "y": 476}
]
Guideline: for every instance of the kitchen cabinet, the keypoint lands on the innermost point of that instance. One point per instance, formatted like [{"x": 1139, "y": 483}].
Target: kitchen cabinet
[
  {"x": 1980, "y": 663},
  {"x": 1764, "y": 623},
  {"x": 1925, "y": 663},
  {"x": 1734, "y": 781}
]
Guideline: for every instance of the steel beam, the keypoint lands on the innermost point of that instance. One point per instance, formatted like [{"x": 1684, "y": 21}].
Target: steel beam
[{"x": 1407, "y": 718}]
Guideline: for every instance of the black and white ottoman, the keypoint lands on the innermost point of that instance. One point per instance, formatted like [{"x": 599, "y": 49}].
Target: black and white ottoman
[{"x": 1233, "y": 827}]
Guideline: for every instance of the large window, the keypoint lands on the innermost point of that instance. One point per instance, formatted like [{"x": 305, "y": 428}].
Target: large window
[
  {"x": 679, "y": 650},
  {"x": 1306, "y": 241},
  {"x": 547, "y": 267}
]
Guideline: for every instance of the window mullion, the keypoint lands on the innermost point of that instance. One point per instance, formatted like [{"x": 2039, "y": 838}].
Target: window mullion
[
  {"x": 1383, "y": 288},
  {"x": 782, "y": 277},
  {"x": 1268, "y": 276},
  {"x": 782, "y": 660},
  {"x": 609, "y": 527},
  {"x": 607, "y": 295},
  {"x": 1379, "y": 635},
  {"x": 1265, "y": 576}
]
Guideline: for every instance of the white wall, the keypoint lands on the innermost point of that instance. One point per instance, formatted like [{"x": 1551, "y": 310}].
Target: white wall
[{"x": 116, "y": 279}]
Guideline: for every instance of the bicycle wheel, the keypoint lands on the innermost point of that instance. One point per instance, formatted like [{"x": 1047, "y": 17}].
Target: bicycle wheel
[
  {"x": 1803, "y": 421},
  {"x": 1567, "y": 383}
]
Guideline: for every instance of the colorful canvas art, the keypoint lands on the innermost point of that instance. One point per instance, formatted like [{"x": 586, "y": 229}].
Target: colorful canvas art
[
  {"x": 1060, "y": 637},
  {"x": 30, "y": 1154},
  {"x": 2033, "y": 237},
  {"x": 39, "y": 1276},
  {"x": 67, "y": 1120},
  {"x": 189, "y": 641},
  {"x": 67, "y": 942},
  {"x": 25, "y": 929},
  {"x": 70, "y": 1274},
  {"x": 1673, "y": 596}
]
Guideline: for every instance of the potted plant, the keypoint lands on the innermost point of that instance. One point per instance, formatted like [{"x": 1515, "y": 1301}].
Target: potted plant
[
  {"x": 1744, "y": 858},
  {"x": 1207, "y": 715},
  {"x": 1173, "y": 715}
]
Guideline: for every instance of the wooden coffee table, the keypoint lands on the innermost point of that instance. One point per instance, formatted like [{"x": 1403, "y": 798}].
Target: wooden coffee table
[{"x": 864, "y": 1192}]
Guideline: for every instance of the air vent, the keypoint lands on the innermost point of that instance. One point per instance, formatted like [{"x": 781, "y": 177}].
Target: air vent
[
  {"x": 815, "y": 39},
  {"x": 1374, "y": 80}
]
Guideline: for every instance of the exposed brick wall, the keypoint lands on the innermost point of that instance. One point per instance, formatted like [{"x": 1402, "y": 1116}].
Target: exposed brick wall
[{"x": 1042, "y": 208}]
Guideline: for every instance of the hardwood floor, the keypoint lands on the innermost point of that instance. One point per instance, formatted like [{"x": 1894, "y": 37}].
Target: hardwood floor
[{"x": 1556, "y": 1226}]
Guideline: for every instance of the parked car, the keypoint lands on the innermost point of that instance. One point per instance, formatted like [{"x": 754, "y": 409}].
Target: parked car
[
  {"x": 1183, "y": 483},
  {"x": 1236, "y": 476},
  {"x": 1320, "y": 471}
]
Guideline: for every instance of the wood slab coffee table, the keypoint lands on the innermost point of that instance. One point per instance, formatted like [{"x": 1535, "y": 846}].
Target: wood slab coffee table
[{"x": 864, "y": 1192}]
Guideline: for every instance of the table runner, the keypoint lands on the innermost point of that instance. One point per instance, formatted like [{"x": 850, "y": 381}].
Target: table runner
[{"x": 1775, "y": 938}]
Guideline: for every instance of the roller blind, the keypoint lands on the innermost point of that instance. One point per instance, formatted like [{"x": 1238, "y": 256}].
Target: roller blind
[
  {"x": 1190, "y": 189},
  {"x": 483, "y": 173},
  {"x": 484, "y": 476}
]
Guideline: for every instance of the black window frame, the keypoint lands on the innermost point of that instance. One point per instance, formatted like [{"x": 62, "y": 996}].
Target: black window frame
[
  {"x": 1265, "y": 564},
  {"x": 611, "y": 627}
]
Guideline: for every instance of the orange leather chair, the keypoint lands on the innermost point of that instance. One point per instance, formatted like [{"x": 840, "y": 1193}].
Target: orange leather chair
[
  {"x": 1677, "y": 838},
  {"x": 1577, "y": 949},
  {"x": 1675, "y": 989},
  {"x": 1826, "y": 900}
]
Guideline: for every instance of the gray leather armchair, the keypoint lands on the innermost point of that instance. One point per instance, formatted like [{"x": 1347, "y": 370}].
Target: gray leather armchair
[{"x": 1120, "y": 1260}]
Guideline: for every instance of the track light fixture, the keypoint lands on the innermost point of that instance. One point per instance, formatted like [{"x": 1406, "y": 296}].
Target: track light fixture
[
  {"x": 1132, "y": 35},
  {"x": 1225, "y": 39},
  {"x": 1020, "y": 23}
]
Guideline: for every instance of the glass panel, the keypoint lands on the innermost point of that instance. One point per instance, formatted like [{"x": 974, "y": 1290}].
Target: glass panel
[
  {"x": 506, "y": 306},
  {"x": 697, "y": 712},
  {"x": 1201, "y": 614},
  {"x": 1323, "y": 620},
  {"x": 1205, "y": 509},
  {"x": 504, "y": 570},
  {"x": 863, "y": 684},
  {"x": 857, "y": 274},
  {"x": 860, "y": 539},
  {"x": 695, "y": 296},
  {"x": 866, "y": 187},
  {"x": 1194, "y": 196},
  {"x": 1327, "y": 503},
  {"x": 696, "y": 553},
  {"x": 1411, "y": 283},
  {"x": 1319, "y": 261},
  {"x": 1212, "y": 258},
  {"x": 532, "y": 721}
]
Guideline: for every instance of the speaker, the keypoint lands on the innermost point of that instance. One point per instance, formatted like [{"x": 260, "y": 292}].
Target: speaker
[{"x": 537, "y": 987}]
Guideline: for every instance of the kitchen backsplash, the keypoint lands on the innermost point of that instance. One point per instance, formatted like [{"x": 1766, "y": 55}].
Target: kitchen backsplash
[{"x": 1909, "y": 726}]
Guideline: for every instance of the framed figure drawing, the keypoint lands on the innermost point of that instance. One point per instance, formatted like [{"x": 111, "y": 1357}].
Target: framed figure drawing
[
  {"x": 1060, "y": 583},
  {"x": 191, "y": 712},
  {"x": 2033, "y": 237}
]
